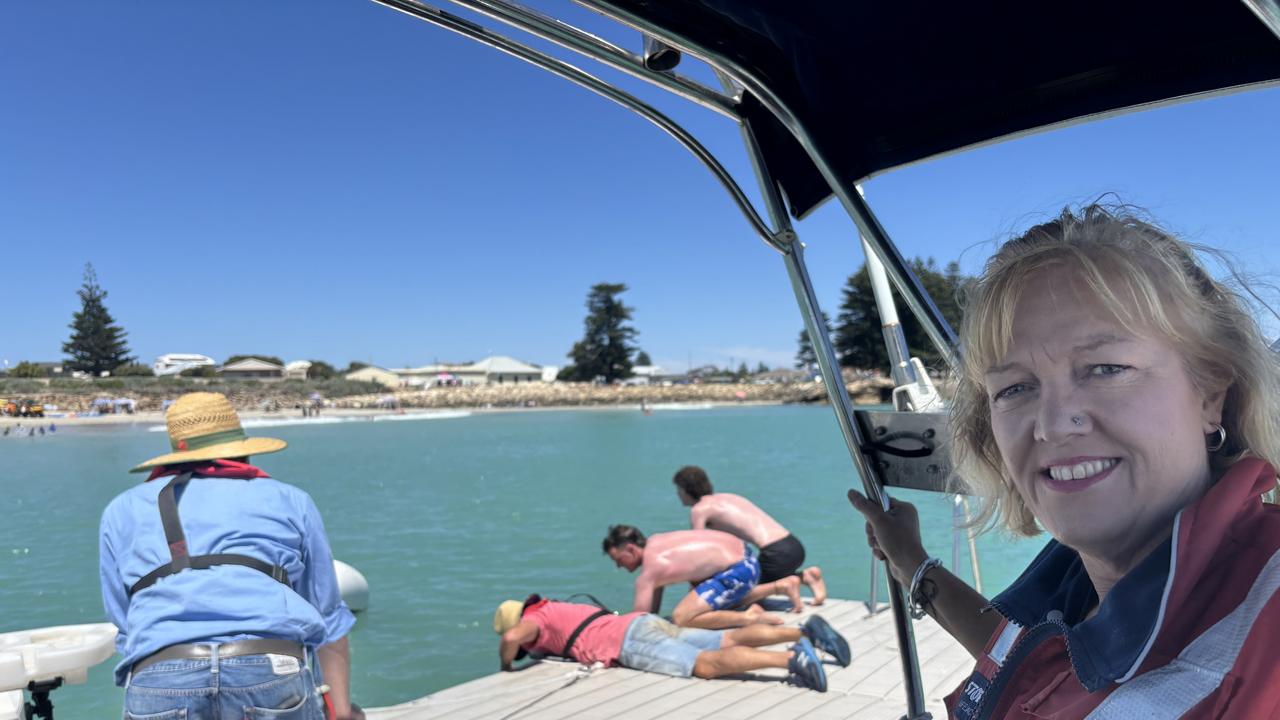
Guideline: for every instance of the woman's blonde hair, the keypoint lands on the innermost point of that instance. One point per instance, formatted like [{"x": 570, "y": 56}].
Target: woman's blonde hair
[{"x": 1151, "y": 282}]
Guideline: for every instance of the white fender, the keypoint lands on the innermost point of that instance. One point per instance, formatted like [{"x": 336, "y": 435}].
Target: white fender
[
  {"x": 352, "y": 585},
  {"x": 66, "y": 651}
]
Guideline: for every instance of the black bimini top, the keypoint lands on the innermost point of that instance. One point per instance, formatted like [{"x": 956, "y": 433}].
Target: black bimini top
[{"x": 883, "y": 84}]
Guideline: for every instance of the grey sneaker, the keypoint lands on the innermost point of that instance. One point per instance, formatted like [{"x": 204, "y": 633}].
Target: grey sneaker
[
  {"x": 806, "y": 668},
  {"x": 826, "y": 639}
]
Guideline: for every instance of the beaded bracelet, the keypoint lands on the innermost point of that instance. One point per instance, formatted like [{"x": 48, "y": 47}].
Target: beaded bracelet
[{"x": 913, "y": 604}]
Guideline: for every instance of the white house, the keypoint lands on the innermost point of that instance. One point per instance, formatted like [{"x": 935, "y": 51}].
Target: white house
[
  {"x": 644, "y": 375},
  {"x": 498, "y": 369},
  {"x": 297, "y": 370},
  {"x": 174, "y": 363},
  {"x": 382, "y": 376},
  {"x": 253, "y": 369}
]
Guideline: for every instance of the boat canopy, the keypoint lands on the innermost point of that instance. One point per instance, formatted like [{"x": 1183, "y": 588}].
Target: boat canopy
[{"x": 879, "y": 85}]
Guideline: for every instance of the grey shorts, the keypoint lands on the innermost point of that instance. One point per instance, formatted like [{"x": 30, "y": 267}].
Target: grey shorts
[{"x": 655, "y": 645}]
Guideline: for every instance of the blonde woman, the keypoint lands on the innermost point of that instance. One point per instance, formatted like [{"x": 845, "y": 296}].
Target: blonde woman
[{"x": 1116, "y": 396}]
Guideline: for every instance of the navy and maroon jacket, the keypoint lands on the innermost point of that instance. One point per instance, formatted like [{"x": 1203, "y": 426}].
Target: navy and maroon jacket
[{"x": 1192, "y": 632}]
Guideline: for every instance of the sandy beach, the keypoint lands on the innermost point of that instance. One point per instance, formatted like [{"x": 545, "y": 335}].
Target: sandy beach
[{"x": 268, "y": 402}]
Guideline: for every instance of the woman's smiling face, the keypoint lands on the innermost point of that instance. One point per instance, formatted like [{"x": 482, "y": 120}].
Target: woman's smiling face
[{"x": 1101, "y": 431}]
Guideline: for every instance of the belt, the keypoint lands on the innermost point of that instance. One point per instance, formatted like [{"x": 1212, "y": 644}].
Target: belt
[{"x": 201, "y": 651}]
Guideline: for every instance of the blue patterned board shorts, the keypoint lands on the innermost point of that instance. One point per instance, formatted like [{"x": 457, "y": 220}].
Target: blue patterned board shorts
[
  {"x": 233, "y": 688},
  {"x": 655, "y": 645},
  {"x": 727, "y": 588}
]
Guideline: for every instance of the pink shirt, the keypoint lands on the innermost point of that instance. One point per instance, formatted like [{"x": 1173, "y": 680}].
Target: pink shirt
[{"x": 601, "y": 641}]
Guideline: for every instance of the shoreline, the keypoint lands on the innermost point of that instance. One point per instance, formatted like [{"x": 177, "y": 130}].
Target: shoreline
[{"x": 151, "y": 418}]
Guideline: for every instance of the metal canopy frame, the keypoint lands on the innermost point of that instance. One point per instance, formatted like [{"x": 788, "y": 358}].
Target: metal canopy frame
[{"x": 777, "y": 232}]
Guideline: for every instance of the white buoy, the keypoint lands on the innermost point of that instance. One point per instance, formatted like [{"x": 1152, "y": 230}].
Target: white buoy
[{"x": 352, "y": 585}]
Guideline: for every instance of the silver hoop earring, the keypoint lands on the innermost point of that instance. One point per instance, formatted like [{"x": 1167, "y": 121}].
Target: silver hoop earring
[
  {"x": 1077, "y": 420},
  {"x": 1218, "y": 442}
]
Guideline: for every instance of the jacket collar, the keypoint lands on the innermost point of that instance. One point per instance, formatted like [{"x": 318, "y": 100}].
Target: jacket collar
[{"x": 1109, "y": 646}]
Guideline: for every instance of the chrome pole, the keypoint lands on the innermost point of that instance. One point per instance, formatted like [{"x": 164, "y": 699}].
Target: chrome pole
[
  {"x": 895, "y": 340},
  {"x": 572, "y": 38},
  {"x": 843, "y": 407},
  {"x": 913, "y": 293},
  {"x": 841, "y": 404},
  {"x": 973, "y": 548},
  {"x": 583, "y": 79}
]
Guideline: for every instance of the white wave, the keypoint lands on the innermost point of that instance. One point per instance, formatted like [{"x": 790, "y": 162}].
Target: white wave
[
  {"x": 337, "y": 419},
  {"x": 681, "y": 406}
]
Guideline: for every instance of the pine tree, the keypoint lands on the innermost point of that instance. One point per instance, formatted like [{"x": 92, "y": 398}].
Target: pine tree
[
  {"x": 859, "y": 340},
  {"x": 642, "y": 358},
  {"x": 605, "y": 348},
  {"x": 97, "y": 344},
  {"x": 806, "y": 358}
]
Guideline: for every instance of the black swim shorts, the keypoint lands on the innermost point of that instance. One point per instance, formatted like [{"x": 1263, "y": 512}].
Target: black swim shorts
[{"x": 780, "y": 558}]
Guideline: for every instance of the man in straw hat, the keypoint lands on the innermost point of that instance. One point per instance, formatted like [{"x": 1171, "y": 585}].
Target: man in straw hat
[
  {"x": 644, "y": 641},
  {"x": 226, "y": 607}
]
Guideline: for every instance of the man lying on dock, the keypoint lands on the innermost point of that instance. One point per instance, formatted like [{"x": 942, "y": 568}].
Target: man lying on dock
[
  {"x": 644, "y": 641},
  {"x": 781, "y": 554},
  {"x": 722, "y": 569}
]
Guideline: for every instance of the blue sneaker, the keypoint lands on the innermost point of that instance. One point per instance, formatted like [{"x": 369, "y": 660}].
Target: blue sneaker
[
  {"x": 806, "y": 668},
  {"x": 826, "y": 639}
]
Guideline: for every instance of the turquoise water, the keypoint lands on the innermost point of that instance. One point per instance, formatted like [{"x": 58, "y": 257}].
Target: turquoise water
[{"x": 448, "y": 517}]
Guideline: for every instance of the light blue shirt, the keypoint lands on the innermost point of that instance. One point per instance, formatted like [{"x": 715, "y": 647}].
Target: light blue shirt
[{"x": 262, "y": 518}]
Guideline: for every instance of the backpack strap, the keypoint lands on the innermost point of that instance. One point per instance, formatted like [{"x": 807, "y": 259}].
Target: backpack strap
[
  {"x": 568, "y": 646},
  {"x": 180, "y": 558}
]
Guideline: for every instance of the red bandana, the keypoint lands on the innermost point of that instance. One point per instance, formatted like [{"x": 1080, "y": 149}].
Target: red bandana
[{"x": 210, "y": 468}]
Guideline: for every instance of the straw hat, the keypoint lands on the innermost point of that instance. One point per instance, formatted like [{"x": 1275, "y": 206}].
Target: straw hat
[
  {"x": 204, "y": 426},
  {"x": 507, "y": 616}
]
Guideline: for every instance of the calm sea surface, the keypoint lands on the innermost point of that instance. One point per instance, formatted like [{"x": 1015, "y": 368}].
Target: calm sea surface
[{"x": 448, "y": 517}]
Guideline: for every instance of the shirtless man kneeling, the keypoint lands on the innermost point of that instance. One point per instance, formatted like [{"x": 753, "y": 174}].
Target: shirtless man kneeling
[
  {"x": 719, "y": 566},
  {"x": 781, "y": 554}
]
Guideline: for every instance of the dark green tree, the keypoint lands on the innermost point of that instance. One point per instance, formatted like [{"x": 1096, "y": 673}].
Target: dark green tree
[
  {"x": 133, "y": 370},
  {"x": 743, "y": 370},
  {"x": 320, "y": 370},
  {"x": 859, "y": 339},
  {"x": 26, "y": 369},
  {"x": 605, "y": 348},
  {"x": 353, "y": 366},
  {"x": 642, "y": 358},
  {"x": 805, "y": 356},
  {"x": 203, "y": 371},
  {"x": 761, "y": 368},
  {"x": 97, "y": 344}
]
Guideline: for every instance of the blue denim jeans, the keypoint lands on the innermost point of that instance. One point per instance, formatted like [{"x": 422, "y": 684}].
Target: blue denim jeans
[
  {"x": 655, "y": 645},
  {"x": 233, "y": 688}
]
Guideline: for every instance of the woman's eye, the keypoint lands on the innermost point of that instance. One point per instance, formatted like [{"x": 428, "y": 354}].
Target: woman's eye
[
  {"x": 1009, "y": 392},
  {"x": 1106, "y": 369}
]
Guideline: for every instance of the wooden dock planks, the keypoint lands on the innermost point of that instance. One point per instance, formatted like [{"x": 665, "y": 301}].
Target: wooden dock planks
[{"x": 869, "y": 689}]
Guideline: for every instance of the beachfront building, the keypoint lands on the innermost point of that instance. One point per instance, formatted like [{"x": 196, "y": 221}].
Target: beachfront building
[
  {"x": 645, "y": 375},
  {"x": 499, "y": 369},
  {"x": 297, "y": 370},
  {"x": 496, "y": 369},
  {"x": 253, "y": 369},
  {"x": 382, "y": 376},
  {"x": 174, "y": 363}
]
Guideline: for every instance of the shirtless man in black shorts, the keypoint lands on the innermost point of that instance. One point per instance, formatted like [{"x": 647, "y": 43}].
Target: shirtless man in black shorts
[{"x": 781, "y": 554}]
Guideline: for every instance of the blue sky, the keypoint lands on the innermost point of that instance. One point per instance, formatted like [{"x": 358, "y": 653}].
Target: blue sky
[{"x": 335, "y": 180}]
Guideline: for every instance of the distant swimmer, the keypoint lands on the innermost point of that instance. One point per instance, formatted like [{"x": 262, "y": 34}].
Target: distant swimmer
[
  {"x": 646, "y": 642},
  {"x": 781, "y": 554},
  {"x": 721, "y": 568}
]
